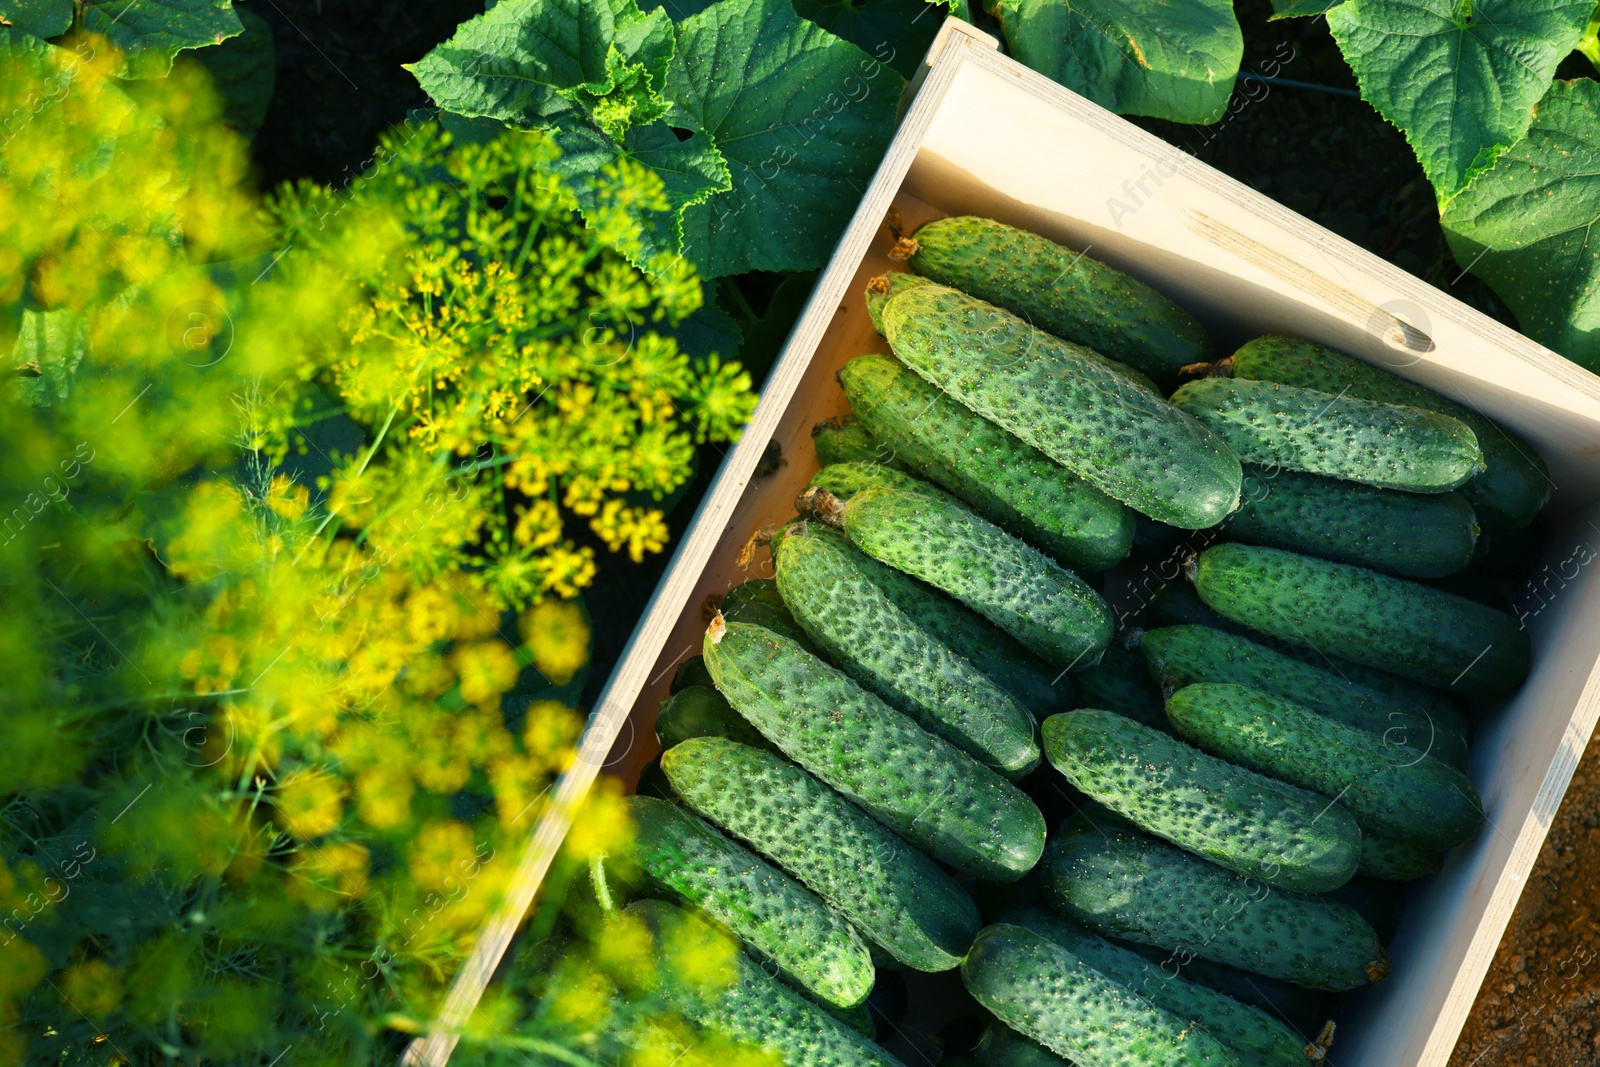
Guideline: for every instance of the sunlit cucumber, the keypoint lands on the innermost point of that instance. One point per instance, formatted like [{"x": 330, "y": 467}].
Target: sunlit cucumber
[
  {"x": 1253, "y": 1035},
  {"x": 891, "y": 892},
  {"x": 1397, "y": 861},
  {"x": 1412, "y": 535},
  {"x": 1051, "y": 611},
  {"x": 1120, "y": 683},
  {"x": 1185, "y": 655},
  {"x": 754, "y": 1007},
  {"x": 1059, "y": 290},
  {"x": 881, "y": 288},
  {"x": 1392, "y": 790},
  {"x": 780, "y": 919},
  {"x": 1256, "y": 825},
  {"x": 1371, "y": 618},
  {"x": 1387, "y": 445},
  {"x": 1047, "y": 993},
  {"x": 1510, "y": 490},
  {"x": 701, "y": 711},
  {"x": 1078, "y": 408},
  {"x": 923, "y": 788},
  {"x": 1136, "y": 888},
  {"x": 849, "y": 604},
  {"x": 847, "y": 441},
  {"x": 1013, "y": 484}
]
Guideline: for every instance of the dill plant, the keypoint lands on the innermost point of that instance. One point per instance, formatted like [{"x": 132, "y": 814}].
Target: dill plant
[{"x": 283, "y": 556}]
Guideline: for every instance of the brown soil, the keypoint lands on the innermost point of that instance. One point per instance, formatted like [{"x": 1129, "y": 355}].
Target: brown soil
[{"x": 1540, "y": 1004}]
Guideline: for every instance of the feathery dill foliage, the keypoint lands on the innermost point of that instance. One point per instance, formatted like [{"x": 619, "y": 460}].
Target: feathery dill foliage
[
  {"x": 274, "y": 725},
  {"x": 505, "y": 339}
]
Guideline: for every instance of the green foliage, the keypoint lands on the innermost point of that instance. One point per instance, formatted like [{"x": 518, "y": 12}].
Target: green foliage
[
  {"x": 1284, "y": 9},
  {"x": 244, "y": 71},
  {"x": 284, "y": 522},
  {"x": 1527, "y": 225},
  {"x": 1170, "y": 59},
  {"x": 148, "y": 34},
  {"x": 1460, "y": 78},
  {"x": 760, "y": 127}
]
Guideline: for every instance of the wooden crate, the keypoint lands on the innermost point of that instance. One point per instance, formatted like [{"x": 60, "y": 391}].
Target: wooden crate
[{"x": 984, "y": 135}]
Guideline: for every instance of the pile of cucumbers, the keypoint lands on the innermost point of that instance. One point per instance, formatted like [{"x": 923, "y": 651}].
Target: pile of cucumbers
[{"x": 866, "y": 747}]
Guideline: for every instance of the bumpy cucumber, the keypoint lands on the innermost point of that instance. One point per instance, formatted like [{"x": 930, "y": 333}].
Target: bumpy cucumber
[
  {"x": 1295, "y": 1005},
  {"x": 1411, "y": 535},
  {"x": 779, "y": 918},
  {"x": 1397, "y": 861},
  {"x": 1185, "y": 655},
  {"x": 844, "y": 480},
  {"x": 881, "y": 288},
  {"x": 1510, "y": 490},
  {"x": 1046, "y": 992},
  {"x": 847, "y": 441},
  {"x": 1386, "y": 445},
  {"x": 1064, "y": 292},
  {"x": 690, "y": 672},
  {"x": 759, "y": 603},
  {"x": 923, "y": 788},
  {"x": 1042, "y": 689},
  {"x": 891, "y": 892},
  {"x": 1015, "y": 485},
  {"x": 1392, "y": 790},
  {"x": 1371, "y": 618},
  {"x": 1051, "y": 611},
  {"x": 1136, "y": 888},
  {"x": 1078, "y": 408},
  {"x": 1001, "y": 1046},
  {"x": 1120, "y": 683},
  {"x": 701, "y": 711},
  {"x": 1253, "y": 1035},
  {"x": 754, "y": 1007},
  {"x": 1245, "y": 821},
  {"x": 849, "y": 604}
]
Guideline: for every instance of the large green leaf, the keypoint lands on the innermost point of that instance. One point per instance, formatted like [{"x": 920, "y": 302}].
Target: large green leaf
[
  {"x": 1288, "y": 9},
  {"x": 1459, "y": 77},
  {"x": 896, "y": 32},
  {"x": 150, "y": 33},
  {"x": 244, "y": 71},
  {"x": 1530, "y": 226},
  {"x": 1169, "y": 59},
  {"x": 49, "y": 348},
  {"x": 42, "y": 18},
  {"x": 801, "y": 118}
]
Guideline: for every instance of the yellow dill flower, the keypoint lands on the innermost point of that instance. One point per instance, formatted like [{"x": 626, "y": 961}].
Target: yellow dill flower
[
  {"x": 383, "y": 796},
  {"x": 640, "y": 529},
  {"x": 557, "y": 637},
  {"x": 310, "y": 803},
  {"x": 92, "y": 987},
  {"x": 550, "y": 733},
  {"x": 440, "y": 851},
  {"x": 486, "y": 669}
]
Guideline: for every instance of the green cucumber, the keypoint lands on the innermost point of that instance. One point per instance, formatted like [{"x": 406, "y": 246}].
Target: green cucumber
[
  {"x": 1253, "y": 1035},
  {"x": 881, "y": 288},
  {"x": 849, "y": 605},
  {"x": 1297, "y": 1006},
  {"x": 923, "y": 788},
  {"x": 1138, "y": 889},
  {"x": 754, "y": 1006},
  {"x": 1284, "y": 835},
  {"x": 1047, "y": 993},
  {"x": 845, "y": 480},
  {"x": 1392, "y": 790},
  {"x": 1371, "y": 618},
  {"x": 1013, "y": 484},
  {"x": 847, "y": 441},
  {"x": 1186, "y": 655},
  {"x": 777, "y": 917},
  {"x": 1514, "y": 484},
  {"x": 1411, "y": 535},
  {"x": 1051, "y": 611},
  {"x": 1001, "y": 1046},
  {"x": 701, "y": 711},
  {"x": 890, "y": 891},
  {"x": 759, "y": 603},
  {"x": 1120, "y": 683},
  {"x": 1080, "y": 409},
  {"x": 653, "y": 782},
  {"x": 691, "y": 671},
  {"x": 1397, "y": 861},
  {"x": 1387, "y": 445},
  {"x": 1043, "y": 690},
  {"x": 1064, "y": 292}
]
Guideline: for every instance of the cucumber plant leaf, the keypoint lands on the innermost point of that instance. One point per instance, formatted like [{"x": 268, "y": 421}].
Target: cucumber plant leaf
[
  {"x": 801, "y": 118},
  {"x": 1288, "y": 9},
  {"x": 1458, "y": 77},
  {"x": 1168, "y": 59},
  {"x": 49, "y": 348},
  {"x": 41, "y": 18},
  {"x": 150, "y": 33},
  {"x": 244, "y": 71},
  {"x": 896, "y": 32},
  {"x": 1589, "y": 44},
  {"x": 1530, "y": 225}
]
